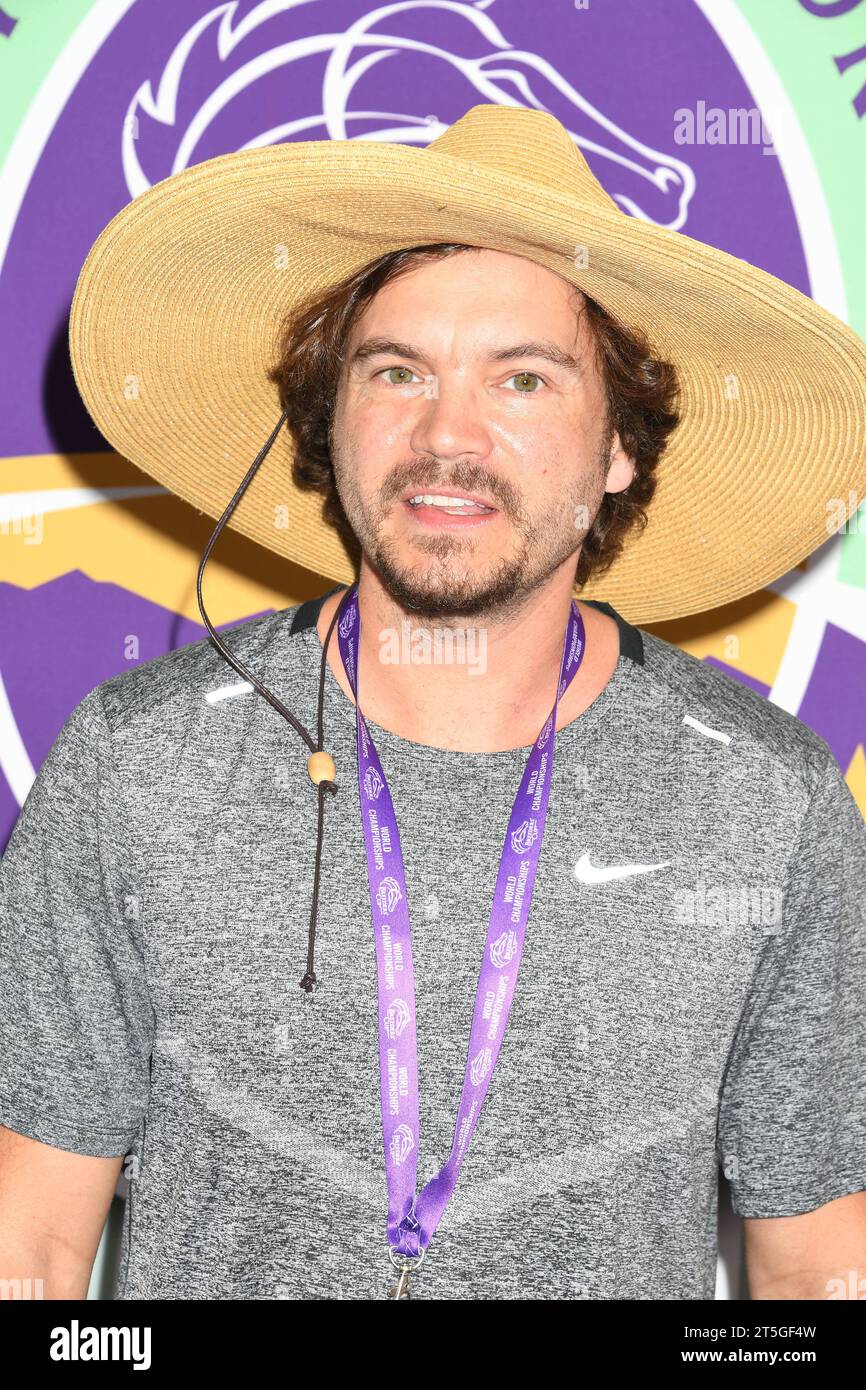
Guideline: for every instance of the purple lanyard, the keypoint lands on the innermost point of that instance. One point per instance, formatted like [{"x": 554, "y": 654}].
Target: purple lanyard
[{"x": 412, "y": 1220}]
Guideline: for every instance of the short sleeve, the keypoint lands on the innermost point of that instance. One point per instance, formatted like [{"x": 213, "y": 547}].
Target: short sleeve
[
  {"x": 792, "y": 1114},
  {"x": 76, "y": 1022}
]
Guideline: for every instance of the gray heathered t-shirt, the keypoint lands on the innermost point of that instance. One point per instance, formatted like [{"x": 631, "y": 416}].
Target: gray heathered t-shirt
[{"x": 691, "y": 991}]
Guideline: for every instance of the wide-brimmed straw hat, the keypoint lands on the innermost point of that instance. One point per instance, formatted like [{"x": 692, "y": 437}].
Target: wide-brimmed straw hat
[{"x": 176, "y": 316}]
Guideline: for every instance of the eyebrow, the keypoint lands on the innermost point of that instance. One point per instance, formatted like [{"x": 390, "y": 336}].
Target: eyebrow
[{"x": 549, "y": 352}]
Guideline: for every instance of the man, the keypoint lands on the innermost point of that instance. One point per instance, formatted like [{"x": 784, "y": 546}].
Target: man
[{"x": 685, "y": 992}]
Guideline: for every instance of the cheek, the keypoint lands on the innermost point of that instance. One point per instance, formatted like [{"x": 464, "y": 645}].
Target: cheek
[
  {"x": 556, "y": 443},
  {"x": 375, "y": 422},
  {"x": 366, "y": 450},
  {"x": 536, "y": 445},
  {"x": 387, "y": 431}
]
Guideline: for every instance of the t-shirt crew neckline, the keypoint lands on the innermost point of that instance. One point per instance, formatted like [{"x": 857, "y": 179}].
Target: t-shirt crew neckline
[{"x": 577, "y": 729}]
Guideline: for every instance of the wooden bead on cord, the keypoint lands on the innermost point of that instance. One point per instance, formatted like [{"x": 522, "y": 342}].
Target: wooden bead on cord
[{"x": 321, "y": 767}]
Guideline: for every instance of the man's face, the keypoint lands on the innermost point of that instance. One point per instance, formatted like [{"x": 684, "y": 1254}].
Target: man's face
[{"x": 445, "y": 410}]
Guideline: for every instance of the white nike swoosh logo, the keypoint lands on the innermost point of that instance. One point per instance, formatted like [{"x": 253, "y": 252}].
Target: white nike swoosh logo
[{"x": 585, "y": 872}]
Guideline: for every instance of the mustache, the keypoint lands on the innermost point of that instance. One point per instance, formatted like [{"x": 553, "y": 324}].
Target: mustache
[{"x": 500, "y": 494}]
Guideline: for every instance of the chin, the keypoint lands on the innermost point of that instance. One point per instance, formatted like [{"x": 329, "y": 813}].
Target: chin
[{"x": 428, "y": 592}]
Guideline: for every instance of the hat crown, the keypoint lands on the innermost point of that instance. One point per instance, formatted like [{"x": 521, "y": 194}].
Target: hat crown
[{"x": 524, "y": 144}]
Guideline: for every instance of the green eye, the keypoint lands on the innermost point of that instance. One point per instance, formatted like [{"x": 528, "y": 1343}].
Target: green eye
[
  {"x": 533, "y": 376},
  {"x": 388, "y": 370}
]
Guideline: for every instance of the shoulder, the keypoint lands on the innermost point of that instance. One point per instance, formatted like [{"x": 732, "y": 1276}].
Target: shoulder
[
  {"x": 185, "y": 678},
  {"x": 688, "y": 689}
]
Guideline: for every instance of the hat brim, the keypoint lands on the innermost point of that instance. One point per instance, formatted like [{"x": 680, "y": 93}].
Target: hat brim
[{"x": 177, "y": 310}]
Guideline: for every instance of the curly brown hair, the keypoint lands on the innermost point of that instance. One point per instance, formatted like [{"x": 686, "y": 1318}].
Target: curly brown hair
[{"x": 640, "y": 391}]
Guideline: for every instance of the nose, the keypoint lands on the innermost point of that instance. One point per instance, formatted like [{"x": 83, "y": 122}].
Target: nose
[{"x": 449, "y": 423}]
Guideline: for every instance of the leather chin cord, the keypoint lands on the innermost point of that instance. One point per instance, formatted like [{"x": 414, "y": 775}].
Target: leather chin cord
[{"x": 320, "y": 765}]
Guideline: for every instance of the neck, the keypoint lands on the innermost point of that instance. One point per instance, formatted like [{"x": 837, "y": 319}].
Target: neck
[{"x": 482, "y": 684}]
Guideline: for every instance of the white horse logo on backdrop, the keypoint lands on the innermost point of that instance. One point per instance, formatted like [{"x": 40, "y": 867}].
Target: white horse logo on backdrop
[{"x": 360, "y": 65}]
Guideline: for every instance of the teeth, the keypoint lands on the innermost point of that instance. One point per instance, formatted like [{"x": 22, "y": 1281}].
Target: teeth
[{"x": 432, "y": 501}]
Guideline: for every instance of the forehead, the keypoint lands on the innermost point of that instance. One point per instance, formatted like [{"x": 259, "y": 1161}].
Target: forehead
[{"x": 475, "y": 296}]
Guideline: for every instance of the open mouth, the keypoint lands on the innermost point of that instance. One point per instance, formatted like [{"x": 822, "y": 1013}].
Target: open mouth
[
  {"x": 455, "y": 504},
  {"x": 433, "y": 510}
]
